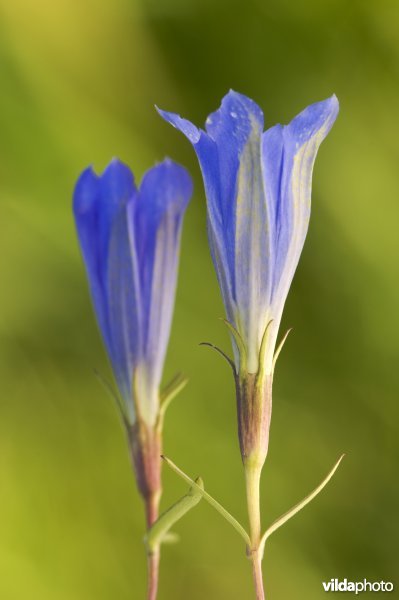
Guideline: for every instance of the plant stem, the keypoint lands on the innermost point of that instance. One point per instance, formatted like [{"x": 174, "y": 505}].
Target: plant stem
[
  {"x": 146, "y": 449},
  {"x": 257, "y": 575},
  {"x": 153, "y": 574},
  {"x": 252, "y": 479},
  {"x": 153, "y": 557}
]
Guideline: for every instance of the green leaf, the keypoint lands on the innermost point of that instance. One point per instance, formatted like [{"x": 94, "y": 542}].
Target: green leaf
[
  {"x": 159, "y": 532},
  {"x": 237, "y": 526},
  {"x": 295, "y": 509}
]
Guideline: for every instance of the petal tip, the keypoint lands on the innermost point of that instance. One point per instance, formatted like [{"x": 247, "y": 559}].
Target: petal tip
[
  {"x": 186, "y": 127},
  {"x": 86, "y": 189},
  {"x": 116, "y": 168},
  {"x": 315, "y": 118},
  {"x": 117, "y": 181},
  {"x": 237, "y": 113},
  {"x": 334, "y": 103},
  {"x": 331, "y": 104},
  {"x": 170, "y": 177}
]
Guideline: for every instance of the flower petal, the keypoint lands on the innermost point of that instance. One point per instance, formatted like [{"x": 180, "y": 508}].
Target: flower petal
[
  {"x": 85, "y": 199},
  {"x": 164, "y": 195},
  {"x": 190, "y": 131},
  {"x": 99, "y": 203},
  {"x": 288, "y": 155},
  {"x": 124, "y": 304},
  {"x": 229, "y": 155}
]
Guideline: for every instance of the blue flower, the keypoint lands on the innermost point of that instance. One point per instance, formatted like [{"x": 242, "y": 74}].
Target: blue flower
[
  {"x": 258, "y": 188},
  {"x": 130, "y": 241}
]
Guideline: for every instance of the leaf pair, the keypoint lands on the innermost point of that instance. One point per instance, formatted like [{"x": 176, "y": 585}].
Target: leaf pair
[{"x": 197, "y": 492}]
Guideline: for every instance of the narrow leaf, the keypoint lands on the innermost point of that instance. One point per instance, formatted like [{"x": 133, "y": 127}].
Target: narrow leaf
[
  {"x": 237, "y": 526},
  {"x": 295, "y": 509},
  {"x": 159, "y": 532}
]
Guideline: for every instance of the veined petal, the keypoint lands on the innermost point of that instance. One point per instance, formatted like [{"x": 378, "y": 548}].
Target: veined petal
[
  {"x": 85, "y": 199},
  {"x": 288, "y": 155},
  {"x": 207, "y": 153},
  {"x": 115, "y": 187},
  {"x": 235, "y": 125},
  {"x": 236, "y": 129},
  {"x": 124, "y": 304},
  {"x": 97, "y": 200},
  {"x": 99, "y": 204},
  {"x": 164, "y": 195}
]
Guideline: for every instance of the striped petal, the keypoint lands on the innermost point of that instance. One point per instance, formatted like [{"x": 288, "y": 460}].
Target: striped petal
[
  {"x": 97, "y": 202},
  {"x": 164, "y": 195},
  {"x": 288, "y": 156},
  {"x": 229, "y": 153}
]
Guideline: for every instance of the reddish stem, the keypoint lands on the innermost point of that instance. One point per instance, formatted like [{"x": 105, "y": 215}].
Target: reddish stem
[
  {"x": 257, "y": 575},
  {"x": 153, "y": 574},
  {"x": 153, "y": 558},
  {"x": 146, "y": 446}
]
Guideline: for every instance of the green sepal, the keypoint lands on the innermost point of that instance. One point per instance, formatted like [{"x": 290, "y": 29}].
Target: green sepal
[
  {"x": 168, "y": 394},
  {"x": 239, "y": 343},
  {"x": 263, "y": 348},
  {"x": 222, "y": 353},
  {"x": 115, "y": 397},
  {"x": 280, "y": 347}
]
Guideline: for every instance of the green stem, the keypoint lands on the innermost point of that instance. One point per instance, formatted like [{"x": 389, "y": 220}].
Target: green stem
[{"x": 252, "y": 481}]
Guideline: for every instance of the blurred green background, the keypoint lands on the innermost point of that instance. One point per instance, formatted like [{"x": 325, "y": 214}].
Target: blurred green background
[{"x": 78, "y": 82}]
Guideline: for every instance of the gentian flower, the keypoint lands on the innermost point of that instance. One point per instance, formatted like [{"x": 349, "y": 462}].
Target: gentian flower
[
  {"x": 130, "y": 240},
  {"x": 258, "y": 189}
]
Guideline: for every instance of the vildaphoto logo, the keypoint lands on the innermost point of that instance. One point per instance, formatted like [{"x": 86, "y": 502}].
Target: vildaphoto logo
[{"x": 335, "y": 585}]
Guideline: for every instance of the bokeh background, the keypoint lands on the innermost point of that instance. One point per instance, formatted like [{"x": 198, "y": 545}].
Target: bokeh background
[{"x": 78, "y": 81}]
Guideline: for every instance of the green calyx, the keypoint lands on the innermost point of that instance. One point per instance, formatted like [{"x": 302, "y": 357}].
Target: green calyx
[{"x": 169, "y": 393}]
